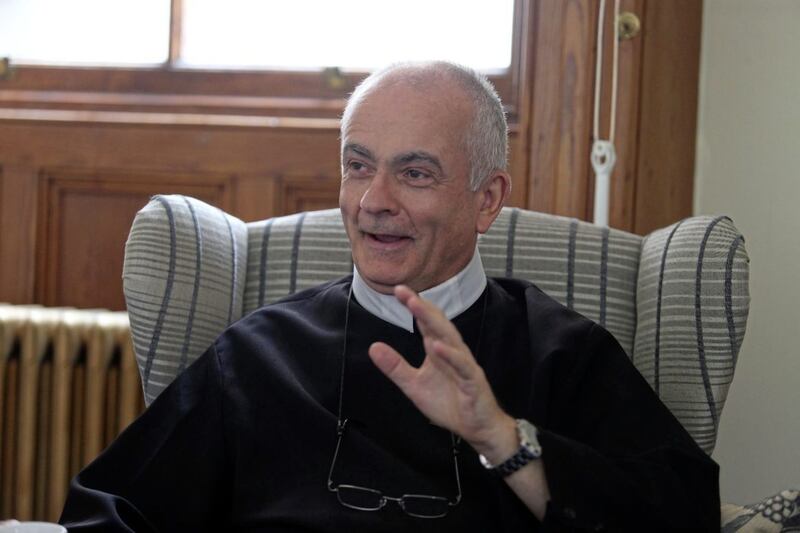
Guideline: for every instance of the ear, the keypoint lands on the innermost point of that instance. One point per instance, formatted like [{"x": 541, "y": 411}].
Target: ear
[{"x": 490, "y": 197}]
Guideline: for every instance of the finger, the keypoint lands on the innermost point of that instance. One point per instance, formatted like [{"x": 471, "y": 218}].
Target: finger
[
  {"x": 433, "y": 359},
  {"x": 431, "y": 319},
  {"x": 418, "y": 307},
  {"x": 392, "y": 364},
  {"x": 461, "y": 362},
  {"x": 404, "y": 293}
]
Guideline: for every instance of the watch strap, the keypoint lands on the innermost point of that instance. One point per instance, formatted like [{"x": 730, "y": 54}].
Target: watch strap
[
  {"x": 529, "y": 450},
  {"x": 515, "y": 462}
]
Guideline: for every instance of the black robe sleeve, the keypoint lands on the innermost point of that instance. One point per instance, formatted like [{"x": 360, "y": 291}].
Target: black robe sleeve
[
  {"x": 167, "y": 471},
  {"x": 615, "y": 457}
]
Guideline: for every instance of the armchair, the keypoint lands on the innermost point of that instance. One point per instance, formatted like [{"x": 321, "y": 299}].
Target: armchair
[{"x": 676, "y": 300}]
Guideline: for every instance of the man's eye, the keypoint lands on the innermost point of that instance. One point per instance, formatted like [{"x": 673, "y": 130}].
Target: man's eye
[
  {"x": 356, "y": 167},
  {"x": 416, "y": 174}
]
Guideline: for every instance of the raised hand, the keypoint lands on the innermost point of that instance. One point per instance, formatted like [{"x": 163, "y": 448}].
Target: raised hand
[{"x": 450, "y": 388}]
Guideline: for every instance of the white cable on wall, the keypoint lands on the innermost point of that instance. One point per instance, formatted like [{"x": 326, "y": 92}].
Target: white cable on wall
[{"x": 603, "y": 154}]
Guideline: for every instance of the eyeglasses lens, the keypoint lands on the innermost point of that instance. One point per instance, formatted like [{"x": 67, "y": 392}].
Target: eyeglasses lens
[
  {"x": 425, "y": 506},
  {"x": 360, "y": 498}
]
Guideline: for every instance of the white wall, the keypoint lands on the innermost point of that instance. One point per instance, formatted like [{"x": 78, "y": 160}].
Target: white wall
[{"x": 748, "y": 166}]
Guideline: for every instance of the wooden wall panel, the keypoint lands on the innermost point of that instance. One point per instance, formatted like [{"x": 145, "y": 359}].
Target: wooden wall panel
[
  {"x": 71, "y": 191},
  {"x": 668, "y": 113},
  {"x": 84, "y": 220},
  {"x": 299, "y": 193},
  {"x": 561, "y": 107},
  {"x": 256, "y": 196},
  {"x": 1, "y": 216},
  {"x": 652, "y": 183},
  {"x": 167, "y": 147}
]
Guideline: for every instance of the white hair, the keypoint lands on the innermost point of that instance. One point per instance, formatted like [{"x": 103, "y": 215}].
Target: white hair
[{"x": 486, "y": 139}]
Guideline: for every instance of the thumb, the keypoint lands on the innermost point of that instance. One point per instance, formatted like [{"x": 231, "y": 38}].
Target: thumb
[{"x": 392, "y": 364}]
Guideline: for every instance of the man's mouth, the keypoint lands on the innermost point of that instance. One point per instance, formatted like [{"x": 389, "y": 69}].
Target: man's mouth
[{"x": 385, "y": 238}]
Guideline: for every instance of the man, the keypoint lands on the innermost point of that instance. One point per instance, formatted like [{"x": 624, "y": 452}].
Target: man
[{"x": 502, "y": 411}]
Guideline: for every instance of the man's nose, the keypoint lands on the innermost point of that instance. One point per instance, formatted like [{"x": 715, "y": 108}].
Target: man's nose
[{"x": 380, "y": 195}]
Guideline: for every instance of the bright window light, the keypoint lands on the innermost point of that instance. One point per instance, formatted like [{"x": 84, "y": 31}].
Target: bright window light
[
  {"x": 351, "y": 34},
  {"x": 85, "y": 31}
]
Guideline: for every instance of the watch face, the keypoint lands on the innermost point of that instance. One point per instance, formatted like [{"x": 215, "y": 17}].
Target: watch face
[{"x": 528, "y": 436}]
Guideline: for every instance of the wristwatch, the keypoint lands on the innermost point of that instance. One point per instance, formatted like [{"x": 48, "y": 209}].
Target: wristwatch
[{"x": 529, "y": 450}]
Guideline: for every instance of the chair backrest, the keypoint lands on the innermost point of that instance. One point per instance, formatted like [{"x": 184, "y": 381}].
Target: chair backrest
[{"x": 670, "y": 299}]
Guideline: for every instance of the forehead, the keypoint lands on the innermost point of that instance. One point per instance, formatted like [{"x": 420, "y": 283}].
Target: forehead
[{"x": 394, "y": 117}]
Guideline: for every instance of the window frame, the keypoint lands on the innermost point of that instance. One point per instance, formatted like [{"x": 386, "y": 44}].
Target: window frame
[{"x": 173, "y": 88}]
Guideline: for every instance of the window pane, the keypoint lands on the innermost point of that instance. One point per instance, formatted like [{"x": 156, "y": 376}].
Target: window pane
[
  {"x": 85, "y": 31},
  {"x": 356, "y": 34}
]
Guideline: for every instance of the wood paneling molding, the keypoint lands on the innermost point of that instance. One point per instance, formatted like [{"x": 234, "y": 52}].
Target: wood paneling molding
[
  {"x": 56, "y": 116},
  {"x": 189, "y": 81},
  {"x": 176, "y": 103},
  {"x": 17, "y": 214}
]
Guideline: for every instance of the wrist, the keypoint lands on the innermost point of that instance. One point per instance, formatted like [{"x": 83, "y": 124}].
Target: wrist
[
  {"x": 500, "y": 442},
  {"x": 529, "y": 450}
]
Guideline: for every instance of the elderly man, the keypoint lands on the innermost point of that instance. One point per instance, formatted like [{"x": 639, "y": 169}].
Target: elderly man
[{"x": 502, "y": 411}]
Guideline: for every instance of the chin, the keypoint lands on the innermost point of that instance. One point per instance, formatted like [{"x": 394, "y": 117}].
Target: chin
[
  {"x": 382, "y": 283},
  {"x": 382, "y": 280}
]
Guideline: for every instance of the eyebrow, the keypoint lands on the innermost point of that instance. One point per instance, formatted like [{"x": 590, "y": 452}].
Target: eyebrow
[
  {"x": 412, "y": 157},
  {"x": 398, "y": 160},
  {"x": 361, "y": 150}
]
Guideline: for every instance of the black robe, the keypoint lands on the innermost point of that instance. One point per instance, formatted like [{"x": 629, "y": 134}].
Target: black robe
[{"x": 243, "y": 439}]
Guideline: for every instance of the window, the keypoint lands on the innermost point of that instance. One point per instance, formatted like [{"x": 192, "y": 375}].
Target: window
[
  {"x": 308, "y": 34},
  {"x": 85, "y": 31},
  {"x": 352, "y": 34}
]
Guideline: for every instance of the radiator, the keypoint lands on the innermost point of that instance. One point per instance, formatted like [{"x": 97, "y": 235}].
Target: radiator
[{"x": 68, "y": 385}]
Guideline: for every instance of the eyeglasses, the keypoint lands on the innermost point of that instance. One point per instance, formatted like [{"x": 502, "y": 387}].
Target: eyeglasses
[{"x": 367, "y": 499}]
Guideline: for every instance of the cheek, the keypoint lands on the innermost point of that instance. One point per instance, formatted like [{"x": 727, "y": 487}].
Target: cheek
[
  {"x": 349, "y": 211},
  {"x": 458, "y": 228},
  {"x": 349, "y": 198}
]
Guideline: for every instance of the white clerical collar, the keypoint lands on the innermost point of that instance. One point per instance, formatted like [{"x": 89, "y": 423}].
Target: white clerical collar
[{"x": 454, "y": 296}]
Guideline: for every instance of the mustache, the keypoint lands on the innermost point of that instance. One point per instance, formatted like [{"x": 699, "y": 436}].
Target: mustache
[{"x": 384, "y": 227}]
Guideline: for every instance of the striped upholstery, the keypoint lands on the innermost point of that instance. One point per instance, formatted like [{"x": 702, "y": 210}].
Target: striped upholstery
[
  {"x": 292, "y": 253},
  {"x": 289, "y": 254},
  {"x": 182, "y": 277},
  {"x": 585, "y": 267},
  {"x": 594, "y": 270},
  {"x": 693, "y": 301}
]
